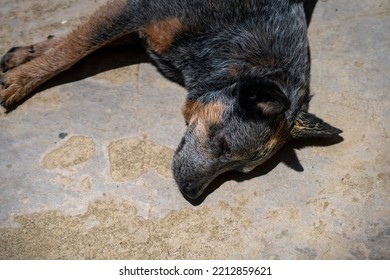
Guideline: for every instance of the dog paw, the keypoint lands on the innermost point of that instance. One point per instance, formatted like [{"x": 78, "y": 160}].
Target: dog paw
[
  {"x": 13, "y": 87},
  {"x": 19, "y": 55}
]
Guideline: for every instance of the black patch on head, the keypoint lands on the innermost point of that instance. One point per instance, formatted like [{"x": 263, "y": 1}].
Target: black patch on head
[{"x": 263, "y": 96}]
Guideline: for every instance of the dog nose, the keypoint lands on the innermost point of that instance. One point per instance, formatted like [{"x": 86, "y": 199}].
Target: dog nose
[{"x": 189, "y": 190}]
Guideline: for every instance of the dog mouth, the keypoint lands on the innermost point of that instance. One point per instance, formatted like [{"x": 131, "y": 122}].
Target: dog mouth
[
  {"x": 195, "y": 188},
  {"x": 193, "y": 191}
]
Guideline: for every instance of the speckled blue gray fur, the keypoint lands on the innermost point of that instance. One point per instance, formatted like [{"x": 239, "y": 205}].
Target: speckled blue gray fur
[
  {"x": 266, "y": 42},
  {"x": 245, "y": 65}
]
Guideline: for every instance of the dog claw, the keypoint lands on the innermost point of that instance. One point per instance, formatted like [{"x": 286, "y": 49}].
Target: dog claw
[
  {"x": 2, "y": 82},
  {"x": 13, "y": 49},
  {"x": 3, "y": 63},
  {"x": 3, "y": 102},
  {"x": 2, "y": 86}
]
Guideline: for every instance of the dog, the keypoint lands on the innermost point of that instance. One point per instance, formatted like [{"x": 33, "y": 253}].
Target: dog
[{"x": 245, "y": 64}]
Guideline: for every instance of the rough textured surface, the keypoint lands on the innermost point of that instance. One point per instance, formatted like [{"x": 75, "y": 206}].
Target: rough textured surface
[
  {"x": 130, "y": 158},
  {"x": 76, "y": 150},
  {"x": 313, "y": 200}
]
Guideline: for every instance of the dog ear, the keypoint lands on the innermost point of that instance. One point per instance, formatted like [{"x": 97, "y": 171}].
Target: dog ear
[
  {"x": 308, "y": 125},
  {"x": 263, "y": 95}
]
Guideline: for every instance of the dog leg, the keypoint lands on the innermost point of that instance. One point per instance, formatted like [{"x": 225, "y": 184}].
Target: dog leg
[{"x": 30, "y": 67}]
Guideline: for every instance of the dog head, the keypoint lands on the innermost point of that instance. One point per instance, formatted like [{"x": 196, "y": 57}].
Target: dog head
[{"x": 237, "y": 128}]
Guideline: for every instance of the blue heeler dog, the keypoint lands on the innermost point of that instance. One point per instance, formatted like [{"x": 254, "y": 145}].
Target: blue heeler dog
[{"x": 245, "y": 64}]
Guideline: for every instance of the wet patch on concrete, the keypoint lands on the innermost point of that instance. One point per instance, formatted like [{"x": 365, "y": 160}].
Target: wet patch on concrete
[
  {"x": 76, "y": 150},
  {"x": 112, "y": 229},
  {"x": 86, "y": 184},
  {"x": 131, "y": 157}
]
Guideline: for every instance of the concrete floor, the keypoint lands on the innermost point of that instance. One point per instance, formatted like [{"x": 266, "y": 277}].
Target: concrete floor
[{"x": 85, "y": 163}]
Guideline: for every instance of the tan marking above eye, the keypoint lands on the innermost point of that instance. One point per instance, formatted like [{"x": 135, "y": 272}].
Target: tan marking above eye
[
  {"x": 161, "y": 34},
  {"x": 210, "y": 113}
]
